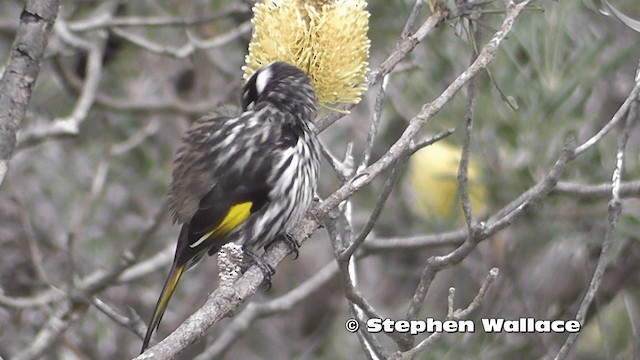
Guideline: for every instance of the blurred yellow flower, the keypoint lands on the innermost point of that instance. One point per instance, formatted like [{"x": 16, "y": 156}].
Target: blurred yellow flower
[
  {"x": 432, "y": 177},
  {"x": 327, "y": 39}
]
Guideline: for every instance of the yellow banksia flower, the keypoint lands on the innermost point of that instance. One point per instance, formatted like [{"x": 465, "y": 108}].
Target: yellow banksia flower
[
  {"x": 326, "y": 38},
  {"x": 317, "y": 4},
  {"x": 433, "y": 179}
]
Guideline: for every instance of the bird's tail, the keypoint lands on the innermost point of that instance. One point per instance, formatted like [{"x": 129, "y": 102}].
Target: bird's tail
[{"x": 165, "y": 295}]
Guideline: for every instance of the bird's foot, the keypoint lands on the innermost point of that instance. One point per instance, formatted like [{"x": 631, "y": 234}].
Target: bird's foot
[
  {"x": 290, "y": 241},
  {"x": 267, "y": 270},
  {"x": 292, "y": 244}
]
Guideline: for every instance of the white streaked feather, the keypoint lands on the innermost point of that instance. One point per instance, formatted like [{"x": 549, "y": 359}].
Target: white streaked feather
[{"x": 263, "y": 78}]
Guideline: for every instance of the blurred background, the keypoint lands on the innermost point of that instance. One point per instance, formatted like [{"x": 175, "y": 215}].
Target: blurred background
[{"x": 70, "y": 205}]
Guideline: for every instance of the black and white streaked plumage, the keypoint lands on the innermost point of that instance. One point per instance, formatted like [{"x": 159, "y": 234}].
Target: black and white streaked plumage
[{"x": 246, "y": 179}]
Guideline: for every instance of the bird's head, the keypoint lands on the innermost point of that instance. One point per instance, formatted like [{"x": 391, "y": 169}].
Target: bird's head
[{"x": 283, "y": 85}]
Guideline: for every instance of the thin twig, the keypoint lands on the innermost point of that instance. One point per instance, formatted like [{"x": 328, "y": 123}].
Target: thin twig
[
  {"x": 156, "y": 48},
  {"x": 574, "y": 190},
  {"x": 370, "y": 346},
  {"x": 70, "y": 125},
  {"x": 358, "y": 307},
  {"x": 463, "y": 168},
  {"x": 220, "y": 40},
  {"x": 614, "y": 120},
  {"x": 451, "y": 238},
  {"x": 188, "y": 48},
  {"x": 150, "y": 265},
  {"x": 457, "y": 237},
  {"x": 135, "y": 140},
  {"x": 375, "y": 213},
  {"x": 45, "y": 298},
  {"x": 339, "y": 227},
  {"x": 170, "y": 104},
  {"x": 101, "y": 22},
  {"x": 456, "y": 315},
  {"x": 411, "y": 20},
  {"x": 72, "y": 309},
  {"x": 614, "y": 211},
  {"x": 133, "y": 324},
  {"x": 424, "y": 143},
  {"x": 37, "y": 258},
  {"x": 375, "y": 123},
  {"x": 344, "y": 169}
]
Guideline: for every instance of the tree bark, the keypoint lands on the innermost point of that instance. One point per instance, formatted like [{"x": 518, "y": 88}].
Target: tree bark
[{"x": 16, "y": 85}]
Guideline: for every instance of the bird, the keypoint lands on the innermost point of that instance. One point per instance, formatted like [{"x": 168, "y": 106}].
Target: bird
[{"x": 246, "y": 179}]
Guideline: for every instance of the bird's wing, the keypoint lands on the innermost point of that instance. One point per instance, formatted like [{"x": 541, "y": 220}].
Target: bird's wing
[{"x": 224, "y": 173}]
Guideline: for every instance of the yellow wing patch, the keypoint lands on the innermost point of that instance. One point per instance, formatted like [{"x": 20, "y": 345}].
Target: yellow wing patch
[{"x": 236, "y": 215}]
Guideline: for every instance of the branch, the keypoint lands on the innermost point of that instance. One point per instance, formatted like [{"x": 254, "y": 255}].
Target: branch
[
  {"x": 451, "y": 238},
  {"x": 437, "y": 263},
  {"x": 463, "y": 167},
  {"x": 340, "y": 232},
  {"x": 456, "y": 315},
  {"x": 134, "y": 272},
  {"x": 188, "y": 48},
  {"x": 347, "y": 253},
  {"x": 154, "y": 263},
  {"x": 161, "y": 105},
  {"x": 21, "y": 73},
  {"x": 71, "y": 124},
  {"x": 340, "y": 229},
  {"x": 585, "y": 191},
  {"x": 101, "y": 22},
  {"x": 375, "y": 123},
  {"x": 222, "y": 39},
  {"x": 33, "y": 301},
  {"x": 77, "y": 303},
  {"x": 132, "y": 323},
  {"x": 343, "y": 169},
  {"x": 58, "y": 322},
  {"x": 254, "y": 311},
  {"x": 615, "y": 209},
  {"x": 633, "y": 95},
  {"x": 225, "y": 300},
  {"x": 457, "y": 237}
]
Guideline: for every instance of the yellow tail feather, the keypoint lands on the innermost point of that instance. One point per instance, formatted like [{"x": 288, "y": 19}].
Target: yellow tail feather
[
  {"x": 236, "y": 215},
  {"x": 161, "y": 306}
]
